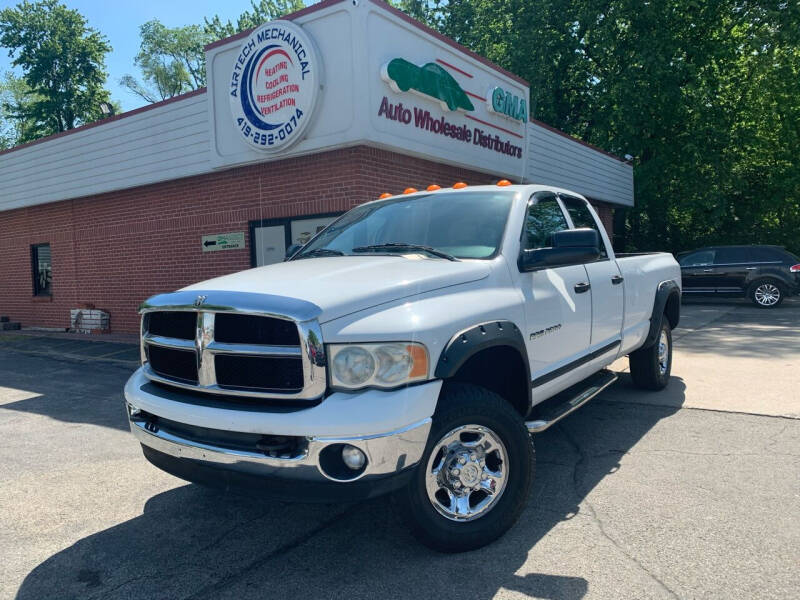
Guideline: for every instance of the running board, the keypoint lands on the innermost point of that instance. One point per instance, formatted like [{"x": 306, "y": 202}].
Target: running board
[{"x": 596, "y": 384}]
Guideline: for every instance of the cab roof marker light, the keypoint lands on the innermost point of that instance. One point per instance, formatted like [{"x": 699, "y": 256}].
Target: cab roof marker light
[
  {"x": 409, "y": 190},
  {"x": 384, "y": 195},
  {"x": 460, "y": 185},
  {"x": 503, "y": 182},
  {"x": 433, "y": 187}
]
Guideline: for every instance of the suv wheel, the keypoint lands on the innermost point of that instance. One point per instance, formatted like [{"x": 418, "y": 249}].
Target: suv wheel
[
  {"x": 766, "y": 293},
  {"x": 475, "y": 474}
]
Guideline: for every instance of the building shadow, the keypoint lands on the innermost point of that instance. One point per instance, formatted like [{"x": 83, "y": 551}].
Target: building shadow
[
  {"x": 190, "y": 542},
  {"x": 73, "y": 392}
]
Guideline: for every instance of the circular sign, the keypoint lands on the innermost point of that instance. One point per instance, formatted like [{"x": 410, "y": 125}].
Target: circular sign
[{"x": 274, "y": 86}]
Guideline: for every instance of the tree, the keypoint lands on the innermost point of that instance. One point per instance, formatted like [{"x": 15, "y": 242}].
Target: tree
[
  {"x": 62, "y": 61},
  {"x": 265, "y": 10},
  {"x": 705, "y": 95},
  {"x": 15, "y": 127},
  {"x": 172, "y": 61}
]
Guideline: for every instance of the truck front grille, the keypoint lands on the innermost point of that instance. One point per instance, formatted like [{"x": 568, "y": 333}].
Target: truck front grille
[
  {"x": 257, "y": 372},
  {"x": 181, "y": 325},
  {"x": 249, "y": 329},
  {"x": 174, "y": 364},
  {"x": 230, "y": 353}
]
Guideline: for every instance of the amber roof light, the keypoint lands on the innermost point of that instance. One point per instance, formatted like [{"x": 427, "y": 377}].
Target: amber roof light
[
  {"x": 503, "y": 182},
  {"x": 459, "y": 185},
  {"x": 433, "y": 187},
  {"x": 384, "y": 195},
  {"x": 409, "y": 190}
]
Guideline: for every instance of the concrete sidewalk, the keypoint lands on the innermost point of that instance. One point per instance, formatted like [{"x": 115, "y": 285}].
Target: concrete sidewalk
[{"x": 730, "y": 356}]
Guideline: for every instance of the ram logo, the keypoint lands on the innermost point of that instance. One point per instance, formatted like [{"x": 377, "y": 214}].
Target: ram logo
[{"x": 199, "y": 301}]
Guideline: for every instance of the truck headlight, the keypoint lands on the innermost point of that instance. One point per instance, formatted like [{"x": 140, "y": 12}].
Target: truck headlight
[{"x": 355, "y": 366}]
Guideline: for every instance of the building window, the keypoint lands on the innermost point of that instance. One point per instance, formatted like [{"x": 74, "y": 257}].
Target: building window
[{"x": 42, "y": 270}]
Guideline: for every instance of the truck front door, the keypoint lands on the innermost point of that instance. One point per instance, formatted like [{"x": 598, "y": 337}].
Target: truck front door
[
  {"x": 558, "y": 301},
  {"x": 608, "y": 298}
]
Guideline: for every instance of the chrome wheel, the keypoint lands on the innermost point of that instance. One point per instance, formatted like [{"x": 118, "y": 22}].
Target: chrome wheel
[
  {"x": 466, "y": 473},
  {"x": 663, "y": 352},
  {"x": 767, "y": 294}
]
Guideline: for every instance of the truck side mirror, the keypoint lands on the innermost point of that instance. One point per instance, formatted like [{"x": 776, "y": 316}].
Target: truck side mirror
[
  {"x": 568, "y": 247},
  {"x": 292, "y": 250}
]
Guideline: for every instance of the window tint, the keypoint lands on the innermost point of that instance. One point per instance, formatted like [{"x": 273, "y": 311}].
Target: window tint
[
  {"x": 732, "y": 256},
  {"x": 42, "y": 269},
  {"x": 695, "y": 259},
  {"x": 582, "y": 217},
  {"x": 769, "y": 255},
  {"x": 543, "y": 219},
  {"x": 464, "y": 224}
]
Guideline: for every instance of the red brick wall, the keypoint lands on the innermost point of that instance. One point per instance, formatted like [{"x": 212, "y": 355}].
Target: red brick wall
[
  {"x": 606, "y": 214},
  {"x": 114, "y": 250}
]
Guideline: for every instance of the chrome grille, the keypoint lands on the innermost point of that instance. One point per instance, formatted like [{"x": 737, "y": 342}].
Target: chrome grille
[{"x": 234, "y": 343}]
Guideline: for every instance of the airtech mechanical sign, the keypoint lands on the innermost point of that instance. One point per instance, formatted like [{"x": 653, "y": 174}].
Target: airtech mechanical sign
[{"x": 274, "y": 86}]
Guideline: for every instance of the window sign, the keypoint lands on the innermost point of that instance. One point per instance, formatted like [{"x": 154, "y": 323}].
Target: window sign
[{"x": 42, "y": 270}]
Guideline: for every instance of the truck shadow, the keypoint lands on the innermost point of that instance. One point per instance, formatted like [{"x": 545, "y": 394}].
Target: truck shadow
[{"x": 195, "y": 543}]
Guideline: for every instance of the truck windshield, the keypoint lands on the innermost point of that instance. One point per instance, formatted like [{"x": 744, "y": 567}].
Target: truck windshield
[{"x": 458, "y": 224}]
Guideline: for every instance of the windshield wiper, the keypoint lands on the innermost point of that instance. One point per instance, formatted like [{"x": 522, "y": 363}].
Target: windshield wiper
[
  {"x": 320, "y": 252},
  {"x": 402, "y": 246}
]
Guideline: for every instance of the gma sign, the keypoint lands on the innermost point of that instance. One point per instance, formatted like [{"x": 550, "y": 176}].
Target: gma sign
[{"x": 503, "y": 102}]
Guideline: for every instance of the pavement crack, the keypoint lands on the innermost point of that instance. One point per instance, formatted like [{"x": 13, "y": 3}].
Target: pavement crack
[
  {"x": 231, "y": 531},
  {"x": 212, "y": 589},
  {"x": 582, "y": 459}
]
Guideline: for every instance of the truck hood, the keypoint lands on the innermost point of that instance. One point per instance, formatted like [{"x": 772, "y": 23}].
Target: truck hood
[{"x": 341, "y": 285}]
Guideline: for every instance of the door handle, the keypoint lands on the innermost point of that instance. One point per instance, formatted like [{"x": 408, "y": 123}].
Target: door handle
[
  {"x": 750, "y": 268},
  {"x": 708, "y": 270},
  {"x": 617, "y": 279},
  {"x": 582, "y": 287}
]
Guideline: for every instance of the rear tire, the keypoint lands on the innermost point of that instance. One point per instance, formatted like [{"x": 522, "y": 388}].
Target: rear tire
[
  {"x": 435, "y": 506},
  {"x": 766, "y": 293},
  {"x": 651, "y": 367}
]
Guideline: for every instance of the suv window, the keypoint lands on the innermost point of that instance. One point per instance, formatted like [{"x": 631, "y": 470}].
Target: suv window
[
  {"x": 761, "y": 254},
  {"x": 582, "y": 217},
  {"x": 696, "y": 259},
  {"x": 733, "y": 256},
  {"x": 543, "y": 219}
]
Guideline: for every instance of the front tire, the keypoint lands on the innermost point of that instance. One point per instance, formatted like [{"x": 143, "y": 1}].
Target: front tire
[
  {"x": 651, "y": 367},
  {"x": 766, "y": 293},
  {"x": 475, "y": 475}
]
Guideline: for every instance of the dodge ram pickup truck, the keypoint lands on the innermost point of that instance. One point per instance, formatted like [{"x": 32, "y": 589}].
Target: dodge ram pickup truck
[{"x": 412, "y": 347}]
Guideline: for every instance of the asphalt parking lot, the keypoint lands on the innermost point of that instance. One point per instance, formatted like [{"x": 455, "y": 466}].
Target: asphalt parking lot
[{"x": 687, "y": 493}]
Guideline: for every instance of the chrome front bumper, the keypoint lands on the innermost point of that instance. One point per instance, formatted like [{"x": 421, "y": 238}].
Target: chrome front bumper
[{"x": 387, "y": 453}]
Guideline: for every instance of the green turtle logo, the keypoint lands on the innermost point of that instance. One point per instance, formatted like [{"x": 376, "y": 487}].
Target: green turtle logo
[{"x": 429, "y": 80}]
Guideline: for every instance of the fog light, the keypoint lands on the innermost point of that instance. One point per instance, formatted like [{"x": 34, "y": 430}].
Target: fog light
[{"x": 353, "y": 457}]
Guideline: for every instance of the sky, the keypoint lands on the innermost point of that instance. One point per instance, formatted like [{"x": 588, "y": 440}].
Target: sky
[{"x": 120, "y": 21}]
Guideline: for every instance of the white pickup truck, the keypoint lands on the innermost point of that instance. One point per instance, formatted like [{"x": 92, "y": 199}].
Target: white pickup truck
[{"x": 413, "y": 346}]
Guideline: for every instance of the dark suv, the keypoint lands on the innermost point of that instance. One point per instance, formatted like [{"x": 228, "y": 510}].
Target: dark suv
[{"x": 765, "y": 274}]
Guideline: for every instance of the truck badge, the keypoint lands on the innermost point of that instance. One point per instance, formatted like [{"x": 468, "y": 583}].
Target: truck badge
[{"x": 199, "y": 301}]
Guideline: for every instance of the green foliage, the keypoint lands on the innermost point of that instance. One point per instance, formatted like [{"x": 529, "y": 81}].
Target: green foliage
[
  {"x": 62, "y": 61},
  {"x": 705, "y": 95},
  {"x": 263, "y": 11},
  {"x": 172, "y": 61},
  {"x": 15, "y": 96}
]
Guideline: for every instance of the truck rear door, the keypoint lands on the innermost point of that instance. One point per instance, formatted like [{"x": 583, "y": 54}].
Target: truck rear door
[{"x": 608, "y": 299}]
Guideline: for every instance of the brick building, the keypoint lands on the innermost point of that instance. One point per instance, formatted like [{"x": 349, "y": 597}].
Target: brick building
[{"x": 184, "y": 190}]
